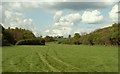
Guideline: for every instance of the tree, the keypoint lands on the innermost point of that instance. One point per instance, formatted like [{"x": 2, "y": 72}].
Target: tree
[
  {"x": 28, "y": 35},
  {"x": 36, "y": 41},
  {"x": 9, "y": 28},
  {"x": 14, "y": 35},
  {"x": 49, "y": 39},
  {"x": 76, "y": 39},
  {"x": 106, "y": 36},
  {"x": 76, "y": 35},
  {"x": 69, "y": 36}
]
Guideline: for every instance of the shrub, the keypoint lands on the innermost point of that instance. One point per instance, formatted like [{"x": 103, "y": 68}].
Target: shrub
[
  {"x": 4, "y": 43},
  {"x": 49, "y": 39},
  {"x": 31, "y": 42}
]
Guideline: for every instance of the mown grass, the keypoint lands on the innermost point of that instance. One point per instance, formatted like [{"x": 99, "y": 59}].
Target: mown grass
[{"x": 60, "y": 58}]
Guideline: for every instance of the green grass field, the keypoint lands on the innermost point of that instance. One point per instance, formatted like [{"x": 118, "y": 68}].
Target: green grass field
[{"x": 60, "y": 58}]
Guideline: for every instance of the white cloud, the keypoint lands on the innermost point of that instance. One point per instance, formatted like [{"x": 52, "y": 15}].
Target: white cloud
[
  {"x": 92, "y": 17},
  {"x": 29, "y": 21},
  {"x": 82, "y": 30},
  {"x": 58, "y": 16},
  {"x": 113, "y": 14},
  {"x": 16, "y": 19},
  {"x": 47, "y": 31},
  {"x": 63, "y": 26},
  {"x": 65, "y": 23},
  {"x": 16, "y": 5},
  {"x": 10, "y": 14},
  {"x": 62, "y": 31},
  {"x": 74, "y": 17}
]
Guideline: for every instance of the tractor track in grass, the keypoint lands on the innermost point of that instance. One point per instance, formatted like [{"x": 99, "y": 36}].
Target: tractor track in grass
[
  {"x": 59, "y": 60},
  {"x": 29, "y": 61},
  {"x": 31, "y": 64},
  {"x": 47, "y": 63},
  {"x": 66, "y": 64}
]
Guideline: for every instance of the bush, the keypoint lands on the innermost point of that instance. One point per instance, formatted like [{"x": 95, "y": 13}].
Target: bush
[
  {"x": 4, "y": 43},
  {"x": 49, "y": 39},
  {"x": 31, "y": 42}
]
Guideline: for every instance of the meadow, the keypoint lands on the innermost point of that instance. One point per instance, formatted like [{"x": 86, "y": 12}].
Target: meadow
[{"x": 60, "y": 58}]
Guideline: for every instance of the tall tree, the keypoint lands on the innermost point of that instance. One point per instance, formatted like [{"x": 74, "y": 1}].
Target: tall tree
[
  {"x": 69, "y": 36},
  {"x": 77, "y": 35}
]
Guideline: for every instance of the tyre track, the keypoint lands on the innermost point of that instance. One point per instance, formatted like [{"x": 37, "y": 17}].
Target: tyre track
[
  {"x": 69, "y": 65},
  {"x": 66, "y": 64},
  {"x": 47, "y": 63},
  {"x": 30, "y": 62}
]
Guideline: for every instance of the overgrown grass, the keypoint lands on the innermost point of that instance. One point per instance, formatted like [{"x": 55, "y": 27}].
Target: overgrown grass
[{"x": 60, "y": 58}]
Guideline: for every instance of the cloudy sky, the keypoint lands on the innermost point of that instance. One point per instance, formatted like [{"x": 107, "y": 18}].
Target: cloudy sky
[{"x": 58, "y": 18}]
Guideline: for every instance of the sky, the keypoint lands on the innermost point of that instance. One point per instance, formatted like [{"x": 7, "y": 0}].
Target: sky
[{"x": 61, "y": 17}]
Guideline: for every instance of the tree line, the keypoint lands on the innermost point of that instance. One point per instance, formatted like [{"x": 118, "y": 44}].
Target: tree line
[
  {"x": 19, "y": 36},
  {"x": 105, "y": 36}
]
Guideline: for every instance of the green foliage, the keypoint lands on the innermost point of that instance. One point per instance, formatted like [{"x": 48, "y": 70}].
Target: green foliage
[
  {"x": 75, "y": 40},
  {"x": 49, "y": 39},
  {"x": 35, "y": 41},
  {"x": 60, "y": 40},
  {"x": 19, "y": 34},
  {"x": 105, "y": 36},
  {"x": 28, "y": 35},
  {"x": 76, "y": 35},
  {"x": 69, "y": 36},
  {"x": 8, "y": 37},
  {"x": 1, "y": 28},
  {"x": 4, "y": 37},
  {"x": 11, "y": 36}
]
